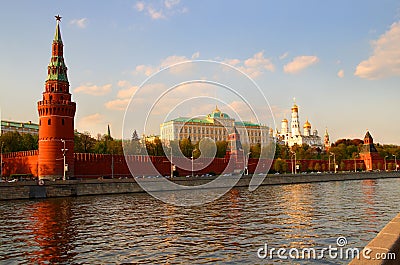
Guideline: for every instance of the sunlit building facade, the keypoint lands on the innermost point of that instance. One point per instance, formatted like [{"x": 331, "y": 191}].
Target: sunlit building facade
[
  {"x": 293, "y": 136},
  {"x": 216, "y": 125}
]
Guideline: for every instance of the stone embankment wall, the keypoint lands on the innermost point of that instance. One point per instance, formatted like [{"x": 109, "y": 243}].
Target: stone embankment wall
[
  {"x": 59, "y": 188},
  {"x": 384, "y": 249}
]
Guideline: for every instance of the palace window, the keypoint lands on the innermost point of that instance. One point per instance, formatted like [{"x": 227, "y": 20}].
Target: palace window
[{"x": 49, "y": 122}]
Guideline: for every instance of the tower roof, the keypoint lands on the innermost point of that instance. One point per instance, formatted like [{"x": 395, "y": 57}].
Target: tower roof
[
  {"x": 369, "y": 137},
  {"x": 57, "y": 70},
  {"x": 326, "y": 132}
]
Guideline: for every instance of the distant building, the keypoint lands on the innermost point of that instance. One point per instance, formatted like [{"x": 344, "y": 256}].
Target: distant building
[
  {"x": 369, "y": 153},
  {"x": 21, "y": 127},
  {"x": 327, "y": 142},
  {"x": 294, "y": 135},
  {"x": 217, "y": 126}
]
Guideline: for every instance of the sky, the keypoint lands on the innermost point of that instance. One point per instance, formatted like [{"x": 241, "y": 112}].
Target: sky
[{"x": 339, "y": 59}]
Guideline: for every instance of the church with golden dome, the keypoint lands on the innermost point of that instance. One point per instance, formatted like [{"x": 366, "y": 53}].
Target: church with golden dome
[{"x": 292, "y": 135}]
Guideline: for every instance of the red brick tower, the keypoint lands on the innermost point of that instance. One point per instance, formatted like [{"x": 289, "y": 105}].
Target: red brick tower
[
  {"x": 56, "y": 117},
  {"x": 369, "y": 153}
]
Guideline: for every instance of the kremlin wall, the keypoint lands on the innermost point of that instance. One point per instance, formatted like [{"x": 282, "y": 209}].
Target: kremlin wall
[
  {"x": 102, "y": 165},
  {"x": 56, "y": 142}
]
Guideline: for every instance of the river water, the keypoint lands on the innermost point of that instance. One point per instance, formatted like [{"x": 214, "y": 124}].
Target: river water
[{"x": 136, "y": 228}]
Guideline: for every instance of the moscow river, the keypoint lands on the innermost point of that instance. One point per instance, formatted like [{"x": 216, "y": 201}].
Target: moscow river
[{"x": 136, "y": 228}]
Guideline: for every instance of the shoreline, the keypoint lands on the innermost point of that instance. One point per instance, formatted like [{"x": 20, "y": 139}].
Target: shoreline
[{"x": 71, "y": 188}]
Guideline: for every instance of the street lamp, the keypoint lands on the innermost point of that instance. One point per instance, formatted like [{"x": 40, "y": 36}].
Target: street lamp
[
  {"x": 245, "y": 163},
  {"x": 385, "y": 162},
  {"x": 172, "y": 166},
  {"x": 334, "y": 161},
  {"x": 355, "y": 163},
  {"x": 192, "y": 160},
  {"x": 395, "y": 163},
  {"x": 294, "y": 165},
  {"x": 64, "y": 151},
  {"x": 1, "y": 160}
]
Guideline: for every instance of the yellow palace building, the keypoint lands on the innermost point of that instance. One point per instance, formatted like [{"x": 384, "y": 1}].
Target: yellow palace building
[{"x": 217, "y": 126}]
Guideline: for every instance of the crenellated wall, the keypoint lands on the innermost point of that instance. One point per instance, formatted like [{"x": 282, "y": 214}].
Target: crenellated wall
[{"x": 104, "y": 165}]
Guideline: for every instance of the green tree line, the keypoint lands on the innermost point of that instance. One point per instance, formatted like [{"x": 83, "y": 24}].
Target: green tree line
[{"x": 105, "y": 144}]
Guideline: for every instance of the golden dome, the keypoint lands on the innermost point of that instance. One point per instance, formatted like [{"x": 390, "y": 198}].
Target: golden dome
[
  {"x": 285, "y": 120},
  {"x": 307, "y": 124}
]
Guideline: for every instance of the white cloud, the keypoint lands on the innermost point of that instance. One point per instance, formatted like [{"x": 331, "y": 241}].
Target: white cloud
[
  {"x": 171, "y": 60},
  {"x": 160, "y": 10},
  {"x": 385, "y": 60},
  {"x": 127, "y": 90},
  {"x": 195, "y": 55},
  {"x": 117, "y": 104},
  {"x": 144, "y": 69},
  {"x": 139, "y": 6},
  {"x": 155, "y": 14},
  {"x": 93, "y": 90},
  {"x": 90, "y": 120},
  {"x": 148, "y": 70},
  {"x": 299, "y": 63},
  {"x": 80, "y": 23},
  {"x": 232, "y": 62},
  {"x": 256, "y": 65},
  {"x": 340, "y": 74},
  {"x": 171, "y": 3},
  {"x": 283, "y": 56}
]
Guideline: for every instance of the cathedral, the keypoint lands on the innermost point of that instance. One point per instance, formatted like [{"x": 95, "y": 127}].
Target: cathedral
[{"x": 291, "y": 135}]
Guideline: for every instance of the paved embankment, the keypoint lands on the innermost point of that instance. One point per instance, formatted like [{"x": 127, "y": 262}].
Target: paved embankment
[
  {"x": 31, "y": 189},
  {"x": 384, "y": 249}
]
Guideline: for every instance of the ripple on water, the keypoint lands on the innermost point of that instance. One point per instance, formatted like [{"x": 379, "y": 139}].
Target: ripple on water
[{"x": 136, "y": 228}]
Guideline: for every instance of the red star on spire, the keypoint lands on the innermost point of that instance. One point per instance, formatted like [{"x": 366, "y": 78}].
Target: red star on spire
[{"x": 58, "y": 18}]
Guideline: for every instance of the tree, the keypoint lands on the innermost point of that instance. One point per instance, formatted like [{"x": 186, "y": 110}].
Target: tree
[
  {"x": 280, "y": 165},
  {"x": 186, "y": 147},
  {"x": 14, "y": 142},
  {"x": 221, "y": 148},
  {"x": 84, "y": 143},
  {"x": 255, "y": 150}
]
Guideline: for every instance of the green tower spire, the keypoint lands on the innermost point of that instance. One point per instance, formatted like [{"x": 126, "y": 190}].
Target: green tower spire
[
  {"x": 57, "y": 35},
  {"x": 57, "y": 70}
]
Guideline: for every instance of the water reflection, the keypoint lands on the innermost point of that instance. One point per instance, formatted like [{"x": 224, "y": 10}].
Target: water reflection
[
  {"x": 52, "y": 232},
  {"x": 136, "y": 228}
]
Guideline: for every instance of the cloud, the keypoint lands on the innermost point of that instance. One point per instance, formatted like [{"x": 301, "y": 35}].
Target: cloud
[
  {"x": 171, "y": 3},
  {"x": 80, "y": 23},
  {"x": 385, "y": 60},
  {"x": 93, "y": 90},
  {"x": 148, "y": 70},
  {"x": 155, "y": 14},
  {"x": 160, "y": 10},
  {"x": 195, "y": 55},
  {"x": 254, "y": 66},
  {"x": 117, "y": 104},
  {"x": 127, "y": 90},
  {"x": 123, "y": 96},
  {"x": 340, "y": 74},
  {"x": 300, "y": 63},
  {"x": 232, "y": 62},
  {"x": 139, "y": 6},
  {"x": 144, "y": 69},
  {"x": 90, "y": 120},
  {"x": 283, "y": 56}
]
